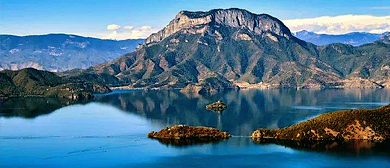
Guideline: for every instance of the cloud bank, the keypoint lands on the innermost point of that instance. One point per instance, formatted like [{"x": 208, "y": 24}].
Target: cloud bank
[
  {"x": 113, "y": 27},
  {"x": 341, "y": 24},
  {"x": 128, "y": 27},
  {"x": 128, "y": 32}
]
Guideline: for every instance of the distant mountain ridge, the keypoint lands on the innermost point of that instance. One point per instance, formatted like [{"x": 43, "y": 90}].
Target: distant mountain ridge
[
  {"x": 354, "y": 38},
  {"x": 59, "y": 52}
]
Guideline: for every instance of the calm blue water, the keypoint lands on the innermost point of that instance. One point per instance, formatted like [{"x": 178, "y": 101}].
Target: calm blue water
[{"x": 110, "y": 131}]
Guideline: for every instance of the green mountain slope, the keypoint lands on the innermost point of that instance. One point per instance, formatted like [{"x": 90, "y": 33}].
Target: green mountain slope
[{"x": 32, "y": 82}]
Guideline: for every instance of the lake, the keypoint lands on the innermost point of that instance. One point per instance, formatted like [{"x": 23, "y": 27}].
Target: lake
[{"x": 111, "y": 129}]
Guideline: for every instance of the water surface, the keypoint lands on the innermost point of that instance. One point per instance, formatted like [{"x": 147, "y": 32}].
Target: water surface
[{"x": 110, "y": 131}]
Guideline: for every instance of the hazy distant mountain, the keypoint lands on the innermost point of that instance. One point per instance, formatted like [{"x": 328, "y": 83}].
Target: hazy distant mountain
[
  {"x": 242, "y": 47},
  {"x": 58, "y": 52},
  {"x": 355, "y": 38}
]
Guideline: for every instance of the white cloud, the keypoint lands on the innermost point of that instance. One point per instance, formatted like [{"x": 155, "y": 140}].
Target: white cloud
[
  {"x": 130, "y": 32},
  {"x": 142, "y": 32},
  {"x": 112, "y": 35},
  {"x": 341, "y": 24},
  {"x": 128, "y": 27},
  {"x": 113, "y": 27}
]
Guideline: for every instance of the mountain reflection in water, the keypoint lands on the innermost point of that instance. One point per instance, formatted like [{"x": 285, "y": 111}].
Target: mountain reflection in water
[
  {"x": 31, "y": 107},
  {"x": 246, "y": 110},
  {"x": 338, "y": 148}
]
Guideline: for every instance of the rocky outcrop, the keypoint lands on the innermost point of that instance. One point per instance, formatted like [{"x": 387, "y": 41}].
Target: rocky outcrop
[
  {"x": 192, "y": 88},
  {"x": 185, "y": 135},
  {"x": 345, "y": 125},
  {"x": 218, "y": 106},
  {"x": 204, "y": 22},
  {"x": 386, "y": 39}
]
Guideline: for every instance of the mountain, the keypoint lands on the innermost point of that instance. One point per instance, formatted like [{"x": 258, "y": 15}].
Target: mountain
[
  {"x": 59, "y": 52},
  {"x": 233, "y": 44},
  {"x": 368, "y": 64},
  {"x": 32, "y": 82},
  {"x": 240, "y": 47},
  {"x": 355, "y": 38}
]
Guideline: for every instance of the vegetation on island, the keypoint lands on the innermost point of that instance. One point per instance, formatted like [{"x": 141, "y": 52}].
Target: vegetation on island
[
  {"x": 359, "y": 124},
  {"x": 218, "y": 106},
  {"x": 182, "y": 135}
]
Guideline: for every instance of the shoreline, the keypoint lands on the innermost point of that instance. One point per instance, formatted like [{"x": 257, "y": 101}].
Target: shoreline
[
  {"x": 178, "y": 89},
  {"x": 253, "y": 88}
]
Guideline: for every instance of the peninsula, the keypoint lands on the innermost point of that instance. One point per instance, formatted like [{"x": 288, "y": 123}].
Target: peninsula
[
  {"x": 345, "y": 125},
  {"x": 31, "y": 82}
]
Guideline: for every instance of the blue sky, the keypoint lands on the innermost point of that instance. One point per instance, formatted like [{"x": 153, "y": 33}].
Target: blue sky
[{"x": 91, "y": 17}]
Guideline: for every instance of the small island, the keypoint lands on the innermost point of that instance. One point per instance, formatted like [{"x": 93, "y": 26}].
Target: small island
[
  {"x": 345, "y": 125},
  {"x": 182, "y": 135},
  {"x": 218, "y": 106}
]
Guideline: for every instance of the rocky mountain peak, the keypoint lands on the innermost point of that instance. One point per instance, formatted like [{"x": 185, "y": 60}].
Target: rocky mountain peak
[
  {"x": 200, "y": 22},
  {"x": 386, "y": 37}
]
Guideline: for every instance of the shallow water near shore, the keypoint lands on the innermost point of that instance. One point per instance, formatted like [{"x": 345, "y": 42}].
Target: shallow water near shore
[{"x": 110, "y": 130}]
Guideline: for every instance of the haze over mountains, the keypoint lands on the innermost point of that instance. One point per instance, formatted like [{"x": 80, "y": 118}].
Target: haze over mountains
[
  {"x": 59, "y": 52},
  {"x": 242, "y": 47},
  {"x": 355, "y": 38}
]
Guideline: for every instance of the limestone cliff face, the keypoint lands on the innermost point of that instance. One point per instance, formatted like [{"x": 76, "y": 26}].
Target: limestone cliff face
[{"x": 202, "y": 22}]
